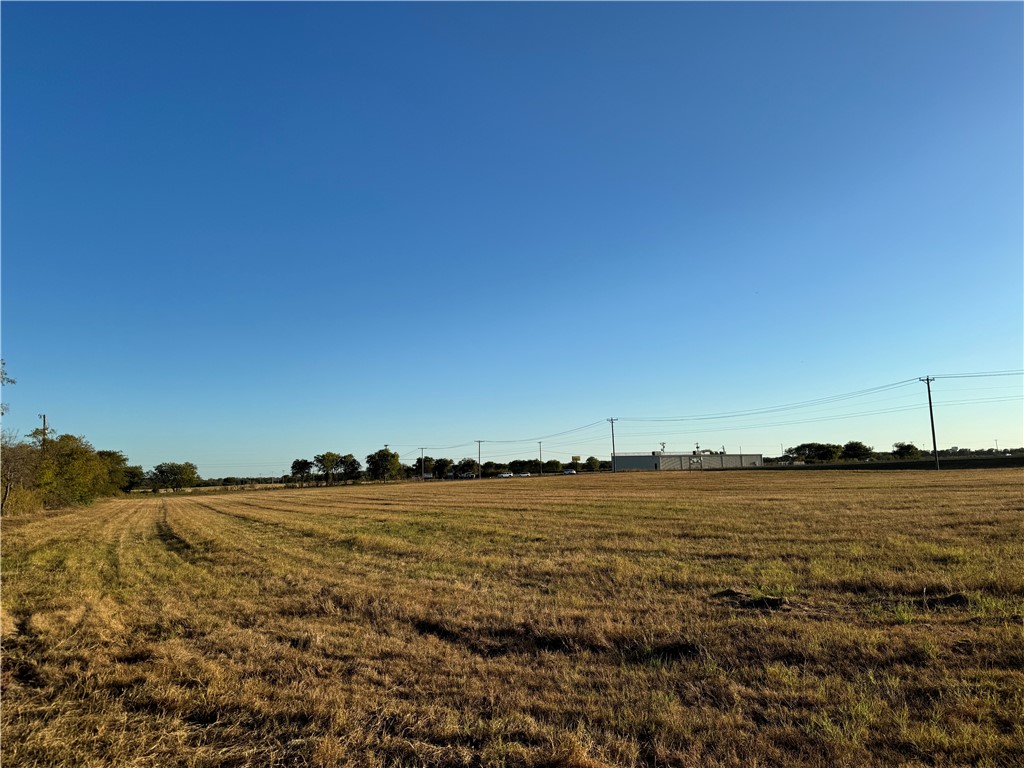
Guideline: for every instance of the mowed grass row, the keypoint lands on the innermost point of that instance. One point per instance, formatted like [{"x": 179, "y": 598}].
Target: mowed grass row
[{"x": 736, "y": 618}]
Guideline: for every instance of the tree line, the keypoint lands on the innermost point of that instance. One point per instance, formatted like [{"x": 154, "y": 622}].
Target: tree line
[
  {"x": 66, "y": 470},
  {"x": 52, "y": 471},
  {"x": 59, "y": 471},
  {"x": 825, "y": 453},
  {"x": 62, "y": 470},
  {"x": 332, "y": 468}
]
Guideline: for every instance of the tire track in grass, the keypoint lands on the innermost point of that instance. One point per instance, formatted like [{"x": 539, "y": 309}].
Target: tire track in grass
[
  {"x": 325, "y": 586},
  {"x": 266, "y": 562},
  {"x": 156, "y": 664},
  {"x": 338, "y": 541}
]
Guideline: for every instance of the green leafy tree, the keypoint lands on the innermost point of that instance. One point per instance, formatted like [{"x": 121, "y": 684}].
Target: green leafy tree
[
  {"x": 120, "y": 477},
  {"x": 493, "y": 468},
  {"x": 424, "y": 466},
  {"x": 19, "y": 468},
  {"x": 70, "y": 472},
  {"x": 383, "y": 465},
  {"x": 856, "y": 451},
  {"x": 519, "y": 466},
  {"x": 815, "y": 453},
  {"x": 552, "y": 466},
  {"x": 593, "y": 464},
  {"x": 905, "y": 451},
  {"x": 63, "y": 471},
  {"x": 174, "y": 476},
  {"x": 302, "y": 469},
  {"x": 328, "y": 463},
  {"x": 351, "y": 469},
  {"x": 467, "y": 466},
  {"x": 134, "y": 478},
  {"x": 442, "y": 467}
]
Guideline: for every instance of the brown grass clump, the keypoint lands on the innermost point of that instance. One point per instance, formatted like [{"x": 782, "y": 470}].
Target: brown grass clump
[{"x": 731, "y": 619}]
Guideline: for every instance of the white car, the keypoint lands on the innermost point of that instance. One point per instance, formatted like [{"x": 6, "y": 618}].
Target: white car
[
  {"x": 505, "y": 474},
  {"x": 523, "y": 474}
]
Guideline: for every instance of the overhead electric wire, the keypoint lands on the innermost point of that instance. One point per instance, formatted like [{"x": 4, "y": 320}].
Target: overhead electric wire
[
  {"x": 418, "y": 447},
  {"x": 979, "y": 389},
  {"x": 547, "y": 437},
  {"x": 769, "y": 425},
  {"x": 777, "y": 408},
  {"x": 981, "y": 375},
  {"x": 980, "y": 400},
  {"x": 819, "y": 401},
  {"x": 571, "y": 442},
  {"x": 626, "y": 433},
  {"x": 825, "y": 416}
]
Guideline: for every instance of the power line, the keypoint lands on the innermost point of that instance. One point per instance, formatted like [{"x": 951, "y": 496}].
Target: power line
[
  {"x": 725, "y": 416},
  {"x": 546, "y": 437},
  {"x": 776, "y": 408},
  {"x": 818, "y": 419},
  {"x": 818, "y": 401},
  {"x": 981, "y": 375}
]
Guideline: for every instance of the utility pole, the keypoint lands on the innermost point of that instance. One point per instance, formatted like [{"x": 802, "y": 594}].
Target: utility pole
[
  {"x": 43, "y": 417},
  {"x": 931, "y": 415},
  {"x": 479, "y": 466},
  {"x": 612, "y": 422},
  {"x": 540, "y": 447},
  {"x": 423, "y": 475}
]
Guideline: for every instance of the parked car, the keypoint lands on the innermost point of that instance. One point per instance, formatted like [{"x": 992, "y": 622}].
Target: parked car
[
  {"x": 505, "y": 474},
  {"x": 523, "y": 474},
  {"x": 568, "y": 471}
]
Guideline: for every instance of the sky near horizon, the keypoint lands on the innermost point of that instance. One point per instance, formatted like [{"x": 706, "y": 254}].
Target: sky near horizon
[{"x": 244, "y": 233}]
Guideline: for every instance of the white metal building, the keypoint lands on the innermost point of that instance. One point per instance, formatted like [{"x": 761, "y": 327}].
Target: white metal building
[{"x": 698, "y": 460}]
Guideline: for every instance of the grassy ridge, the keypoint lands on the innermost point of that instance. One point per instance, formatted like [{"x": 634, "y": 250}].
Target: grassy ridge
[{"x": 646, "y": 619}]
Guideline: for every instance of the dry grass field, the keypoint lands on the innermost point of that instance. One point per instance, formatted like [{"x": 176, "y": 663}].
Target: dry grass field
[{"x": 737, "y": 618}]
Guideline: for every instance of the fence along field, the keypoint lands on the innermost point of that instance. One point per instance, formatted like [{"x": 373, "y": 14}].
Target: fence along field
[{"x": 655, "y": 619}]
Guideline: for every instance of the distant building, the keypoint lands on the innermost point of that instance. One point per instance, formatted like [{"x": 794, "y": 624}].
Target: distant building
[{"x": 660, "y": 460}]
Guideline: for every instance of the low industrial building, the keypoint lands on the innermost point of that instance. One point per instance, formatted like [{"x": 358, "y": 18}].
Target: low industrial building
[{"x": 660, "y": 460}]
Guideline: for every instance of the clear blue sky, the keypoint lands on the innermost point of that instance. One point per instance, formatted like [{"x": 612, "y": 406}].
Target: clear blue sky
[{"x": 240, "y": 234}]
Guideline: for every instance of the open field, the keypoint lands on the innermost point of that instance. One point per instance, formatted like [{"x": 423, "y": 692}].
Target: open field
[{"x": 742, "y": 618}]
